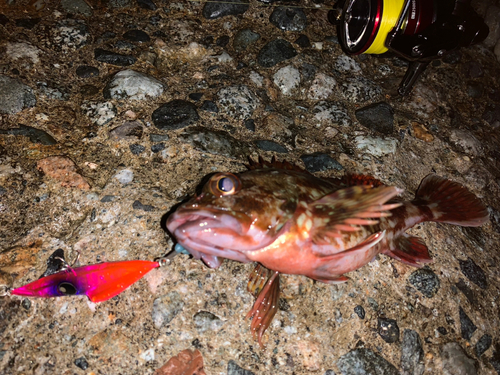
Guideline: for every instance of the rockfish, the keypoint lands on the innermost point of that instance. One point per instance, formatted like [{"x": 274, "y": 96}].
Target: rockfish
[{"x": 292, "y": 222}]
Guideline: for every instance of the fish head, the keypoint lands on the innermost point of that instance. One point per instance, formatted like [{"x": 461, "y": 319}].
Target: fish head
[{"x": 235, "y": 213}]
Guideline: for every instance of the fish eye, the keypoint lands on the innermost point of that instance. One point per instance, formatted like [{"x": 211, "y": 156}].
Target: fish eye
[
  {"x": 66, "y": 288},
  {"x": 224, "y": 184}
]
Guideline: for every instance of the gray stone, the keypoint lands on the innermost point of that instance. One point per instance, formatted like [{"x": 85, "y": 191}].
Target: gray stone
[
  {"x": 35, "y": 135},
  {"x": 287, "y": 79},
  {"x": 129, "y": 84},
  {"x": 70, "y": 34},
  {"x": 214, "y": 142},
  {"x": 243, "y": 39},
  {"x": 360, "y": 90},
  {"x": 113, "y": 58},
  {"x": 275, "y": 52},
  {"x": 77, "y": 7},
  {"x": 99, "y": 113},
  {"x": 228, "y": 8},
  {"x": 467, "y": 326},
  {"x": 234, "y": 369},
  {"x": 289, "y": 19},
  {"x": 166, "y": 308},
  {"x": 455, "y": 361},
  {"x": 388, "y": 329},
  {"x": 378, "y": 117},
  {"x": 320, "y": 163},
  {"x": 473, "y": 272},
  {"x": 483, "y": 345},
  {"x": 15, "y": 95},
  {"x": 176, "y": 114},
  {"x": 237, "y": 101},
  {"x": 412, "y": 354},
  {"x": 376, "y": 146},
  {"x": 125, "y": 176},
  {"x": 266, "y": 145},
  {"x": 365, "y": 362},
  {"x": 205, "y": 321},
  {"x": 426, "y": 281},
  {"x": 331, "y": 113}
]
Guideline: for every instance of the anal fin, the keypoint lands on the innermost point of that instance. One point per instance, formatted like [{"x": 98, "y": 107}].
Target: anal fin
[{"x": 410, "y": 250}]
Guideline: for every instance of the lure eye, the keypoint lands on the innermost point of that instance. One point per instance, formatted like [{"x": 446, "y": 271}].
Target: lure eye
[
  {"x": 66, "y": 289},
  {"x": 224, "y": 184}
]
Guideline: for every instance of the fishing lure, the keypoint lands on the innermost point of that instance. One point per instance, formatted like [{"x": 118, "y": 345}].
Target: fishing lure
[{"x": 99, "y": 282}]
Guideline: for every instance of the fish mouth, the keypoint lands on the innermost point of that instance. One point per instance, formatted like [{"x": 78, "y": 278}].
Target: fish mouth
[{"x": 216, "y": 232}]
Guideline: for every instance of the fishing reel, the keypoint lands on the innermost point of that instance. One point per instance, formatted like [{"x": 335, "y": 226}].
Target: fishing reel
[{"x": 416, "y": 30}]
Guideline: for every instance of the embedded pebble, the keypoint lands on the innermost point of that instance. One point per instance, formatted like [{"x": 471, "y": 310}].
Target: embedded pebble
[
  {"x": 308, "y": 71},
  {"x": 137, "y": 149},
  {"x": 234, "y": 369},
  {"x": 365, "y": 362},
  {"x": 455, "y": 361},
  {"x": 125, "y": 176},
  {"x": 129, "y": 84},
  {"x": 475, "y": 89},
  {"x": 287, "y": 79},
  {"x": 467, "y": 142},
  {"x": 360, "y": 311},
  {"x": 22, "y": 50},
  {"x": 34, "y": 135},
  {"x": 130, "y": 130},
  {"x": 82, "y": 363},
  {"x": 426, "y": 281},
  {"x": 289, "y": 19},
  {"x": 69, "y": 35},
  {"x": 137, "y": 205},
  {"x": 483, "y": 345},
  {"x": 388, "y": 329},
  {"x": 15, "y": 95},
  {"x": 147, "y": 4},
  {"x": 27, "y": 23},
  {"x": 237, "y": 101},
  {"x": 492, "y": 115},
  {"x": 360, "y": 90},
  {"x": 412, "y": 354},
  {"x": 76, "y": 7},
  {"x": 176, "y": 114},
  {"x": 421, "y": 132},
  {"x": 63, "y": 170},
  {"x": 209, "y": 106},
  {"x": 166, "y": 308},
  {"x": 378, "y": 117},
  {"x": 266, "y": 145},
  {"x": 473, "y": 272},
  {"x": 243, "y": 39},
  {"x": 113, "y": 58},
  {"x": 137, "y": 36},
  {"x": 376, "y": 146},
  {"x": 275, "y": 52},
  {"x": 333, "y": 113},
  {"x": 86, "y": 71},
  {"x": 214, "y": 142},
  {"x": 462, "y": 286},
  {"x": 322, "y": 87},
  {"x": 467, "y": 326},
  {"x": 345, "y": 64},
  {"x": 215, "y": 10},
  {"x": 303, "y": 41},
  {"x": 204, "y": 321},
  {"x": 320, "y": 163},
  {"x": 100, "y": 113}
]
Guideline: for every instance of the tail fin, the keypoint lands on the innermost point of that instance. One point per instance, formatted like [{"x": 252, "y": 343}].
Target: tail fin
[
  {"x": 449, "y": 202},
  {"x": 438, "y": 199}
]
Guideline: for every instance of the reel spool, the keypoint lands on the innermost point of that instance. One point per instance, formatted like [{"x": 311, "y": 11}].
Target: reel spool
[{"x": 417, "y": 30}]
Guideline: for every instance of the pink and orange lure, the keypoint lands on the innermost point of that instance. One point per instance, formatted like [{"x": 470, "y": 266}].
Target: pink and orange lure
[{"x": 99, "y": 282}]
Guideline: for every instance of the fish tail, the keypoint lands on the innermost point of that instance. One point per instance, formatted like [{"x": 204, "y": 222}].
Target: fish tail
[
  {"x": 437, "y": 199},
  {"x": 445, "y": 201}
]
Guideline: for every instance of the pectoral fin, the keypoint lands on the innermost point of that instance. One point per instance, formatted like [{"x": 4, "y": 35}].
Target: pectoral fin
[{"x": 348, "y": 209}]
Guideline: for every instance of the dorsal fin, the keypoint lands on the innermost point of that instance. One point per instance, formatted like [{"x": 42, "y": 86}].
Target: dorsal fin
[{"x": 275, "y": 164}]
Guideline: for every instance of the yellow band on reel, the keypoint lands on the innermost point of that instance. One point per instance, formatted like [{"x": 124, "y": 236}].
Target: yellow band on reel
[{"x": 391, "y": 9}]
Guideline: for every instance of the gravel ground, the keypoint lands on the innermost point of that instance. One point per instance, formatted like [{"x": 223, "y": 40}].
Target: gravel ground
[{"x": 111, "y": 113}]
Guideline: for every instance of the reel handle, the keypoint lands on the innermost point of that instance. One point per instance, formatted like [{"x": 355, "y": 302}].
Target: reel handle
[{"x": 414, "y": 71}]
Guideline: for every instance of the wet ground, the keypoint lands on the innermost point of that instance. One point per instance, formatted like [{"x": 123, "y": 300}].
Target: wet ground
[{"x": 111, "y": 112}]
